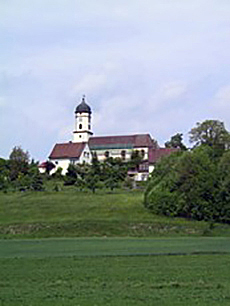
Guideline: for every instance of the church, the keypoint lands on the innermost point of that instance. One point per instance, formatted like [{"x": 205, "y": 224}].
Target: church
[{"x": 84, "y": 145}]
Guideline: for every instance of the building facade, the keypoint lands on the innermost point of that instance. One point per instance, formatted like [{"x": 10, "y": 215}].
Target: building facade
[{"x": 84, "y": 144}]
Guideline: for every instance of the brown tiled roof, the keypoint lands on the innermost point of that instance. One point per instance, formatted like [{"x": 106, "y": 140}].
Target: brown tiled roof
[
  {"x": 128, "y": 141},
  {"x": 156, "y": 154},
  {"x": 67, "y": 150}
]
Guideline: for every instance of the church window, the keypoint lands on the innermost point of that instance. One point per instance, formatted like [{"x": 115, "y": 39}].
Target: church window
[
  {"x": 89, "y": 127},
  {"x": 106, "y": 154},
  {"x": 79, "y": 136},
  {"x": 80, "y": 126}
]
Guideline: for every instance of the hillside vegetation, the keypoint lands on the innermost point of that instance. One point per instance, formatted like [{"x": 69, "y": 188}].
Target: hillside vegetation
[{"x": 71, "y": 213}]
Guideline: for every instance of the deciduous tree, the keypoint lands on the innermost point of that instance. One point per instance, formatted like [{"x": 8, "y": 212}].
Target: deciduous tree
[
  {"x": 211, "y": 133},
  {"x": 176, "y": 141}
]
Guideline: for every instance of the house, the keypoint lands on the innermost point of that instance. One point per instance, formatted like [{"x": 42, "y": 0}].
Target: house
[
  {"x": 84, "y": 144},
  {"x": 64, "y": 154}
]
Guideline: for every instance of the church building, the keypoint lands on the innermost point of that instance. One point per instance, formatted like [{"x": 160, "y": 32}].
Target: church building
[{"x": 84, "y": 144}]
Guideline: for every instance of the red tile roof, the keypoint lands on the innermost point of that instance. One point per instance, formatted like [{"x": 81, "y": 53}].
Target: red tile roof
[
  {"x": 67, "y": 150},
  {"x": 156, "y": 154},
  {"x": 132, "y": 141}
]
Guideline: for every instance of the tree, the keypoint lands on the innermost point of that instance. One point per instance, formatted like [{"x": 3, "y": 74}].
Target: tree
[
  {"x": 211, "y": 133},
  {"x": 96, "y": 167},
  {"x": 71, "y": 175},
  {"x": 92, "y": 181},
  {"x": 49, "y": 166},
  {"x": 186, "y": 185},
  {"x": 19, "y": 155},
  {"x": 176, "y": 141},
  {"x": 136, "y": 159},
  {"x": 113, "y": 171},
  {"x": 19, "y": 162},
  {"x": 4, "y": 174}
]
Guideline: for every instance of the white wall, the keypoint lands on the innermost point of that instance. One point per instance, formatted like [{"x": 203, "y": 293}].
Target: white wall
[
  {"x": 82, "y": 130},
  {"x": 86, "y": 157},
  {"x": 117, "y": 153}
]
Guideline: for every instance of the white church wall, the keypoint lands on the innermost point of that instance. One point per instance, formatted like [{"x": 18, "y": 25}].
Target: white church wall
[
  {"x": 151, "y": 168},
  {"x": 117, "y": 153},
  {"x": 82, "y": 130},
  {"x": 60, "y": 163},
  {"x": 86, "y": 156}
]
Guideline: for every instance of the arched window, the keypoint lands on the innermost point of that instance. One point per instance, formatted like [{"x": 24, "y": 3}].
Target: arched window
[
  {"x": 80, "y": 126},
  {"x": 106, "y": 154}
]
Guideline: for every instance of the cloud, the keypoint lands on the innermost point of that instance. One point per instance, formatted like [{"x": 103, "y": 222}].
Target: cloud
[{"x": 145, "y": 66}]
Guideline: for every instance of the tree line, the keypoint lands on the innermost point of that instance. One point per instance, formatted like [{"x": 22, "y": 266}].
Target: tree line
[
  {"x": 20, "y": 173},
  {"x": 194, "y": 183}
]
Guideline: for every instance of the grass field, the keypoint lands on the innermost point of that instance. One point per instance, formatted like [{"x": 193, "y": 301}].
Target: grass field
[
  {"x": 115, "y": 260},
  {"x": 70, "y": 213},
  {"x": 120, "y": 271}
]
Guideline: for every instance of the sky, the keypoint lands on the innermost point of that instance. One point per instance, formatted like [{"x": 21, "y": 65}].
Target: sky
[{"x": 145, "y": 66}]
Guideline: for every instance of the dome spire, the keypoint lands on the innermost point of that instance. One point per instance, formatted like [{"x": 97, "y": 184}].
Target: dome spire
[{"x": 83, "y": 107}]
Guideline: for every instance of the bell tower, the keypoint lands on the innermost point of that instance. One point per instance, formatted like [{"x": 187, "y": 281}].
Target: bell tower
[{"x": 82, "y": 130}]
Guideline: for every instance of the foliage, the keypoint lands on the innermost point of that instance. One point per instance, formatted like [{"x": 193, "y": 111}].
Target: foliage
[
  {"x": 211, "y": 133},
  {"x": 136, "y": 158},
  {"x": 18, "y": 162},
  {"x": 71, "y": 175},
  {"x": 18, "y": 173},
  {"x": 106, "y": 174},
  {"x": 176, "y": 141},
  {"x": 49, "y": 166},
  {"x": 92, "y": 181},
  {"x": 191, "y": 185}
]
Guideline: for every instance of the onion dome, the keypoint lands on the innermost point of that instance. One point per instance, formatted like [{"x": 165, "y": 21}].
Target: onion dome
[{"x": 83, "y": 107}]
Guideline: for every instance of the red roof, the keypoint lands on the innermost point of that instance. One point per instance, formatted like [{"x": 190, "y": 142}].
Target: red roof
[
  {"x": 67, "y": 150},
  {"x": 156, "y": 154},
  {"x": 134, "y": 141},
  {"x": 42, "y": 165}
]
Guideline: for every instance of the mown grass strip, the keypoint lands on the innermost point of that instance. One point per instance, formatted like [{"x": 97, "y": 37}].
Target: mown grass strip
[{"x": 97, "y": 247}]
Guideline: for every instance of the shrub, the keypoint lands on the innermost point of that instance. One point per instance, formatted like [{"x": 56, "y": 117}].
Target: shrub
[{"x": 192, "y": 184}]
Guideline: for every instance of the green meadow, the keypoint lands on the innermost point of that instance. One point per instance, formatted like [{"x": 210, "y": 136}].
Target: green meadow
[
  {"x": 77, "y": 248},
  {"x": 70, "y": 213},
  {"x": 115, "y": 271}
]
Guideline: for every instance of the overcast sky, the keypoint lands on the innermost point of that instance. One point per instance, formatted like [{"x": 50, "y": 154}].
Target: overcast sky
[{"x": 145, "y": 66}]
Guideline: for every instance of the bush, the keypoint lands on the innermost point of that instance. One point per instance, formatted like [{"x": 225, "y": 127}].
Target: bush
[{"x": 192, "y": 184}]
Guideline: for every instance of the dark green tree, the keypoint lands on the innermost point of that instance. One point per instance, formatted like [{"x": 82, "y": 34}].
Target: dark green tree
[
  {"x": 185, "y": 185},
  {"x": 4, "y": 174},
  {"x": 176, "y": 141},
  {"x": 211, "y": 133},
  {"x": 49, "y": 166},
  {"x": 92, "y": 181},
  {"x": 71, "y": 175},
  {"x": 18, "y": 162}
]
